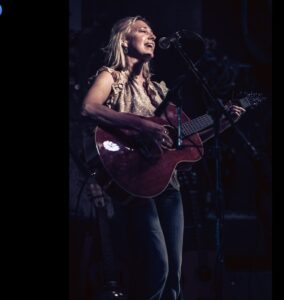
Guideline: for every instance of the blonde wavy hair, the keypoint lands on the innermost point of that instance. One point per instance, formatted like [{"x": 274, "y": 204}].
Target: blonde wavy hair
[{"x": 115, "y": 56}]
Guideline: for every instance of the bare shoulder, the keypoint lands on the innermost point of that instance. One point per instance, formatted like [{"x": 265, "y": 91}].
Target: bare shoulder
[
  {"x": 103, "y": 82},
  {"x": 104, "y": 78},
  {"x": 100, "y": 89}
]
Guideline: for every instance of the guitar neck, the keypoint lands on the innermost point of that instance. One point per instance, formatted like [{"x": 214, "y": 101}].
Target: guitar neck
[
  {"x": 196, "y": 125},
  {"x": 202, "y": 122}
]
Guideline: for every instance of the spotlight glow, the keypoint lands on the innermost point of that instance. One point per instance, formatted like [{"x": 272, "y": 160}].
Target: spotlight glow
[{"x": 1, "y": 10}]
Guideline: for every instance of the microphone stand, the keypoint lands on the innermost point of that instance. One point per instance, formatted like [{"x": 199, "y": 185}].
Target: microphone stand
[
  {"x": 174, "y": 93},
  {"x": 216, "y": 110}
]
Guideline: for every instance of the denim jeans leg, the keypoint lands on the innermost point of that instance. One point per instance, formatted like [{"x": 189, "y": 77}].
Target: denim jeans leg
[
  {"x": 171, "y": 217},
  {"x": 154, "y": 246},
  {"x": 148, "y": 255}
]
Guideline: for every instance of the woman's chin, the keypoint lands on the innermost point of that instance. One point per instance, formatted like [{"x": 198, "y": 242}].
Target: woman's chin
[{"x": 148, "y": 56}]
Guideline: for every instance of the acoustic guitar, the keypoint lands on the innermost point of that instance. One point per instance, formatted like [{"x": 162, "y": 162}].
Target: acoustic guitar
[{"x": 141, "y": 176}]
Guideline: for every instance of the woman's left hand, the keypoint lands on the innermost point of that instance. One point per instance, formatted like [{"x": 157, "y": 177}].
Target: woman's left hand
[{"x": 235, "y": 111}]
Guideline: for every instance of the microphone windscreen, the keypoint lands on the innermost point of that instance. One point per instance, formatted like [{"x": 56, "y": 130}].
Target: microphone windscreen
[{"x": 164, "y": 43}]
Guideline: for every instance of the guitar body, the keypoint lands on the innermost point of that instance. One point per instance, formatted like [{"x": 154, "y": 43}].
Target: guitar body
[{"x": 133, "y": 172}]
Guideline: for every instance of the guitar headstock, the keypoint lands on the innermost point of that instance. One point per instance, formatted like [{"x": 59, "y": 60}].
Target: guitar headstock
[{"x": 251, "y": 100}]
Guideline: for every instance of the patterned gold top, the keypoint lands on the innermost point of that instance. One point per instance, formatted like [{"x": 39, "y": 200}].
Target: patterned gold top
[{"x": 130, "y": 97}]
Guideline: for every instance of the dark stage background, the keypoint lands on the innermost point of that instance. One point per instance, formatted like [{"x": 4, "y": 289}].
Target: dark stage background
[{"x": 237, "y": 59}]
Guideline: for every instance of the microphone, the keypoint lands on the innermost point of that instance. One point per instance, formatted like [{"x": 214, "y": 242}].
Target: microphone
[{"x": 165, "y": 42}]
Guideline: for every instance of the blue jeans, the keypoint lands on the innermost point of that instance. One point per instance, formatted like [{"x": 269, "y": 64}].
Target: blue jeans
[{"x": 154, "y": 237}]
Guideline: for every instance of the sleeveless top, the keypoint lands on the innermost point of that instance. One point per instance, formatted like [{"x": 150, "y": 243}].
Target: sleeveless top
[{"x": 130, "y": 97}]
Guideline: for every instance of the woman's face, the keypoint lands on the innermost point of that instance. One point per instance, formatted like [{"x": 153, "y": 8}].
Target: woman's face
[{"x": 141, "y": 41}]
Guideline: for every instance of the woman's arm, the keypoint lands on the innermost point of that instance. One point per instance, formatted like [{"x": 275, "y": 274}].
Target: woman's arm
[{"x": 93, "y": 107}]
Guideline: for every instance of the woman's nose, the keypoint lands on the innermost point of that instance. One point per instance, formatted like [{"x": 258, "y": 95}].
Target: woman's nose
[{"x": 152, "y": 36}]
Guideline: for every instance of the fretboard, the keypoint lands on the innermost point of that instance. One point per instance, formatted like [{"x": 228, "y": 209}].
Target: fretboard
[
  {"x": 204, "y": 121},
  {"x": 196, "y": 125}
]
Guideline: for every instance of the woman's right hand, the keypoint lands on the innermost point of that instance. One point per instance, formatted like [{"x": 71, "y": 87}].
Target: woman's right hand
[{"x": 153, "y": 136}]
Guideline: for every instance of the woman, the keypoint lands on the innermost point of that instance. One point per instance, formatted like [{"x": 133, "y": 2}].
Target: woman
[{"x": 155, "y": 226}]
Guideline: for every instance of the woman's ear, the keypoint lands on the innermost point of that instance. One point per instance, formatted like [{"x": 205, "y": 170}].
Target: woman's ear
[{"x": 124, "y": 44}]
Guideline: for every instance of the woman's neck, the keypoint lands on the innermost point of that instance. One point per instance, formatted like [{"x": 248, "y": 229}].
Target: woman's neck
[{"x": 135, "y": 68}]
